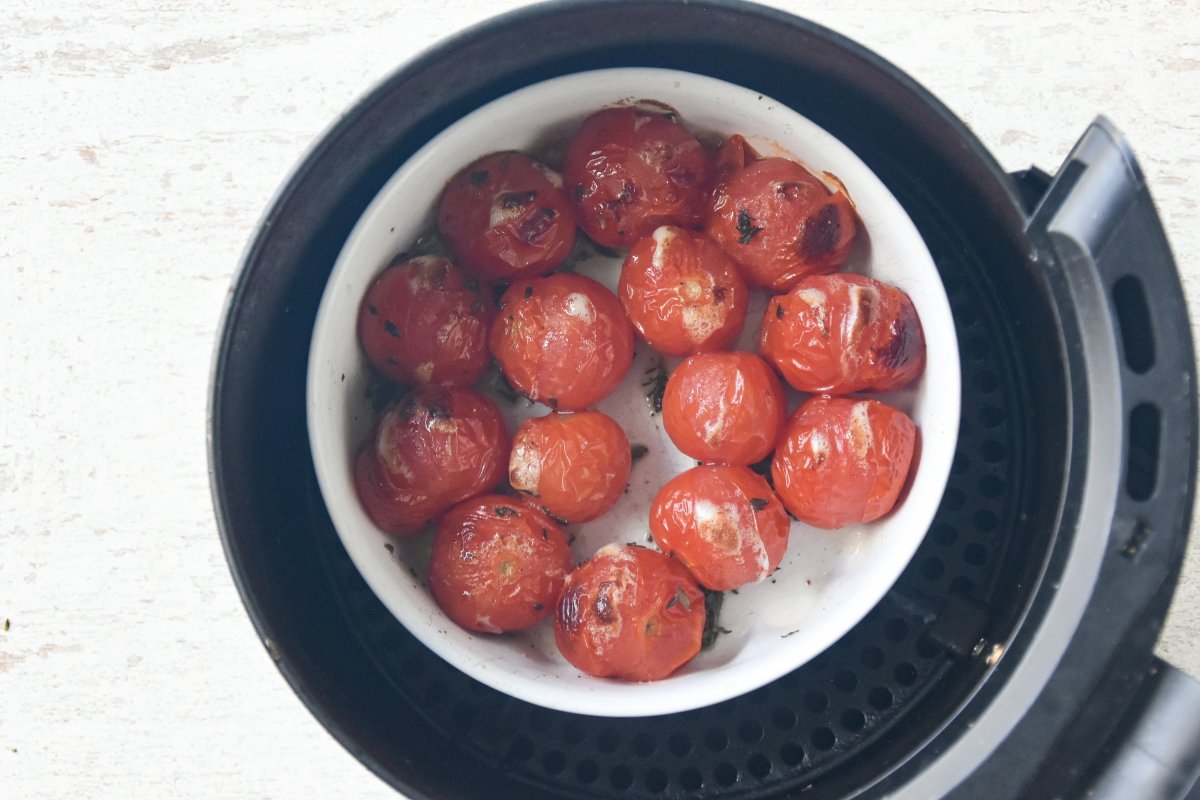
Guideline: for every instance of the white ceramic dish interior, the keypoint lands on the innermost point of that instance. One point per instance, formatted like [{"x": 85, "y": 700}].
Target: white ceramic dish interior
[{"x": 828, "y": 581}]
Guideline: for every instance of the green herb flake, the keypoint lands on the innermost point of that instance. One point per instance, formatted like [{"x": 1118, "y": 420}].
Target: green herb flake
[
  {"x": 479, "y": 177},
  {"x": 745, "y": 227},
  {"x": 505, "y": 511},
  {"x": 758, "y": 503},
  {"x": 712, "y": 612},
  {"x": 638, "y": 452}
]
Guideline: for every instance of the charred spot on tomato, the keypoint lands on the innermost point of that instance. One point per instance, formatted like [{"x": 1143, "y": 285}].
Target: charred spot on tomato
[
  {"x": 570, "y": 610},
  {"x": 578, "y": 192},
  {"x": 372, "y": 310},
  {"x": 821, "y": 233},
  {"x": 603, "y": 605},
  {"x": 505, "y": 511},
  {"x": 528, "y": 293},
  {"x": 545, "y": 533},
  {"x": 538, "y": 606},
  {"x": 745, "y": 227},
  {"x": 719, "y": 293},
  {"x": 778, "y": 310},
  {"x": 758, "y": 503},
  {"x": 650, "y": 628},
  {"x": 904, "y": 343},
  {"x": 391, "y": 329},
  {"x": 479, "y": 177}
]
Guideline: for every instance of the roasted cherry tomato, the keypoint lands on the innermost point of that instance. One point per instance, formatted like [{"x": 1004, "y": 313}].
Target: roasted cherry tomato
[
  {"x": 562, "y": 340},
  {"x": 724, "y": 523},
  {"x": 629, "y": 171},
  {"x": 424, "y": 321},
  {"x": 497, "y": 564},
  {"x": 837, "y": 334},
  {"x": 629, "y": 613},
  {"x": 843, "y": 461},
  {"x": 431, "y": 449},
  {"x": 780, "y": 223},
  {"x": 575, "y": 466},
  {"x": 682, "y": 293},
  {"x": 733, "y": 155},
  {"x": 505, "y": 217},
  {"x": 724, "y": 407}
]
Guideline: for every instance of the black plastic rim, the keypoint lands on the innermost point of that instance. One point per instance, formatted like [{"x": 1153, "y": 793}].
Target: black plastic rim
[{"x": 832, "y": 725}]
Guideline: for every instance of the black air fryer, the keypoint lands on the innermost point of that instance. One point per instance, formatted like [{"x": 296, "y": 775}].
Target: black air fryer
[{"x": 1013, "y": 659}]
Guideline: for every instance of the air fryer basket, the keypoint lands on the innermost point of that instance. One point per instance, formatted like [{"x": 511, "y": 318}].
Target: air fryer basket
[{"x": 1074, "y": 466}]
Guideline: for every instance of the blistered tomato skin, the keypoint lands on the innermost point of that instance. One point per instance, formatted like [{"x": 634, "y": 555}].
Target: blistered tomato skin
[
  {"x": 497, "y": 564},
  {"x": 575, "y": 466},
  {"x": 839, "y": 334},
  {"x": 682, "y": 293},
  {"x": 628, "y": 171},
  {"x": 724, "y": 407},
  {"x": 562, "y": 340},
  {"x": 843, "y": 461},
  {"x": 780, "y": 223},
  {"x": 629, "y": 613},
  {"x": 505, "y": 217},
  {"x": 424, "y": 321},
  {"x": 724, "y": 523},
  {"x": 431, "y": 449}
]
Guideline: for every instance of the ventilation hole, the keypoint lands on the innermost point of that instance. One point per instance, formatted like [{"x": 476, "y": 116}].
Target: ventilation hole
[
  {"x": 944, "y": 534},
  {"x": 962, "y": 585},
  {"x": 1141, "y": 460},
  {"x": 933, "y": 568},
  {"x": 953, "y": 499},
  {"x": 644, "y": 745},
  {"x": 905, "y": 674},
  {"x": 715, "y": 740},
  {"x": 521, "y": 749},
  {"x": 975, "y": 554},
  {"x": 985, "y": 521},
  {"x": 791, "y": 754},
  {"x": 816, "y": 701},
  {"x": 880, "y": 698},
  {"x": 655, "y": 780},
  {"x": 783, "y": 718},
  {"x": 621, "y": 778},
  {"x": 986, "y": 381},
  {"x": 990, "y": 486},
  {"x": 845, "y": 680},
  {"x": 823, "y": 739},
  {"x": 1133, "y": 318},
  {"x": 991, "y": 416},
  {"x": 758, "y": 765},
  {"x": 725, "y": 774},
  {"x": 896, "y": 629},
  {"x": 927, "y": 648},
  {"x": 680, "y": 744},
  {"x": 608, "y": 741},
  {"x": 976, "y": 348},
  {"x": 992, "y": 451},
  {"x": 573, "y": 732},
  {"x": 691, "y": 779},
  {"x": 750, "y": 731},
  {"x": 853, "y": 720},
  {"x": 586, "y": 772},
  {"x": 540, "y": 719},
  {"x": 554, "y": 762},
  {"x": 872, "y": 657}
]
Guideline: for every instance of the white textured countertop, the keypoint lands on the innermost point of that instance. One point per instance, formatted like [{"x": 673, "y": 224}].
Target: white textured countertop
[{"x": 139, "y": 142}]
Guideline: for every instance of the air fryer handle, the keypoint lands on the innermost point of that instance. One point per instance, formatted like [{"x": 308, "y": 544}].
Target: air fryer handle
[
  {"x": 1112, "y": 255},
  {"x": 1128, "y": 320}
]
